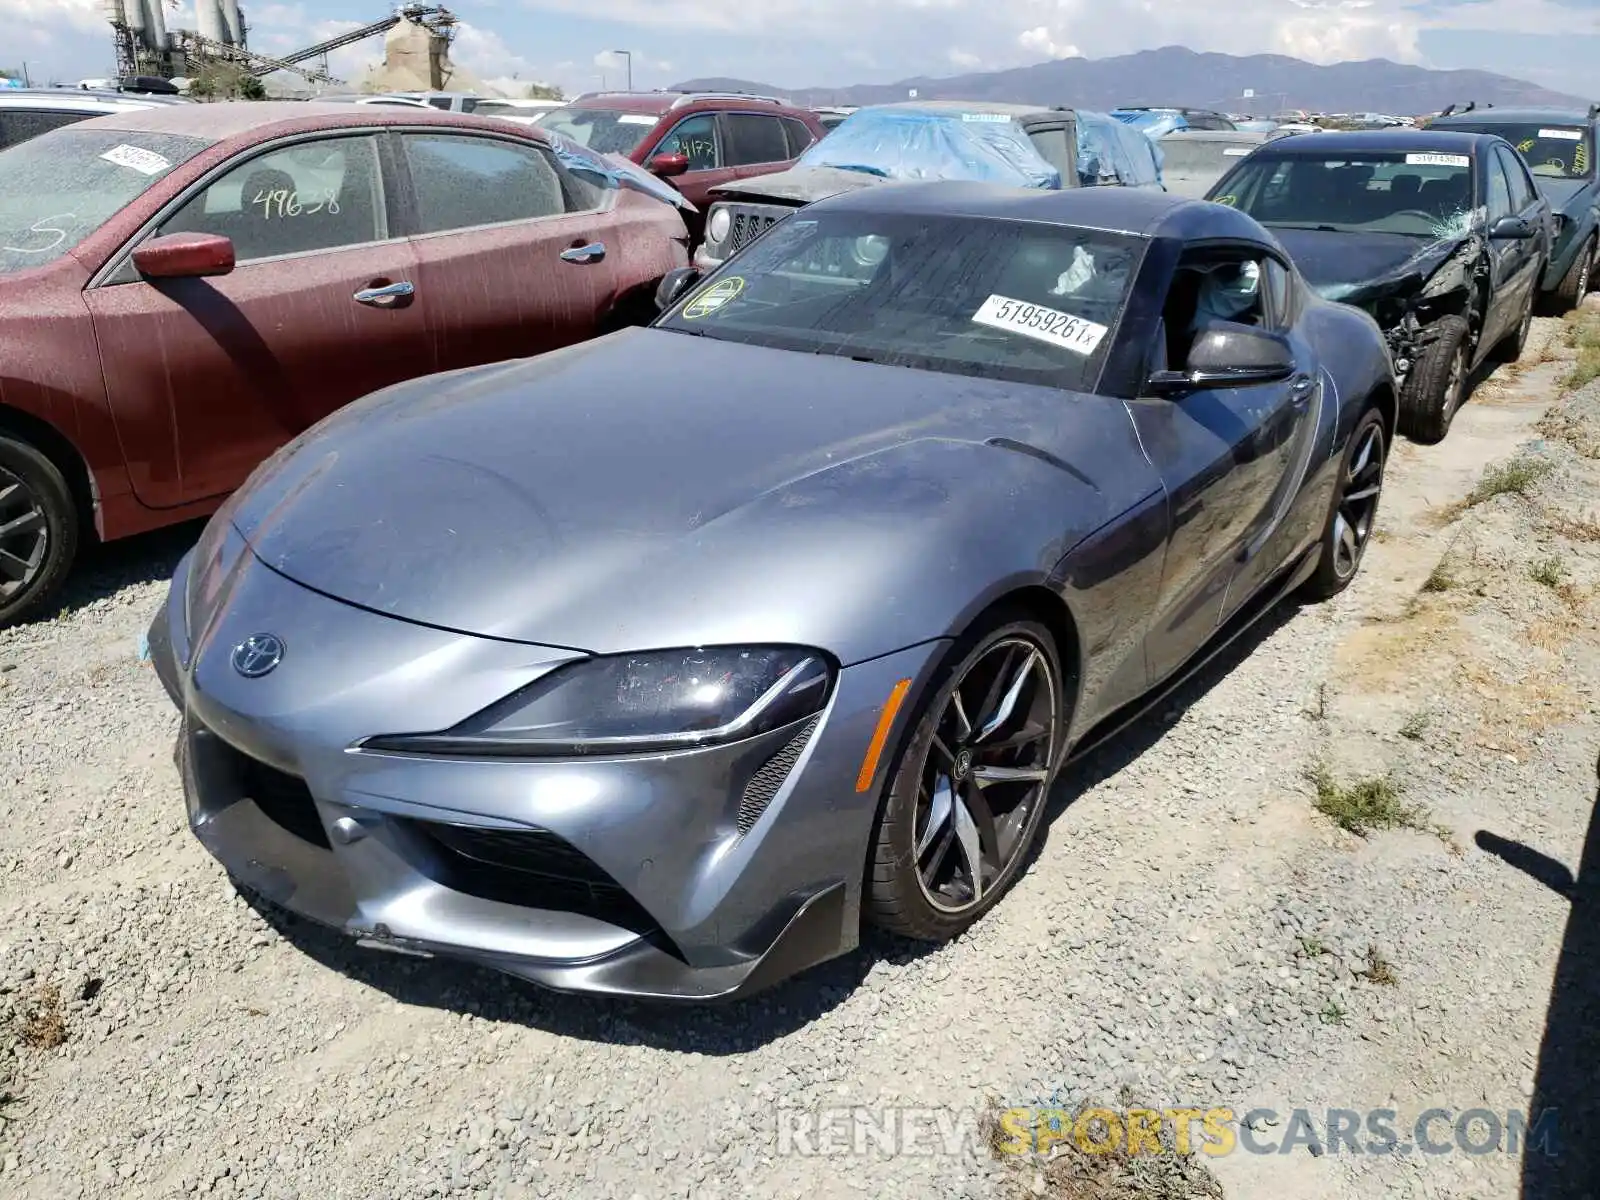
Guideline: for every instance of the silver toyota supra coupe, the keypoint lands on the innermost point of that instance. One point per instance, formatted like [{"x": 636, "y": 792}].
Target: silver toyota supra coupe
[{"x": 659, "y": 665}]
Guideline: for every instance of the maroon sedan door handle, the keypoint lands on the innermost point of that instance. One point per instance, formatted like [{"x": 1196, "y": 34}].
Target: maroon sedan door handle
[
  {"x": 384, "y": 297},
  {"x": 593, "y": 252}
]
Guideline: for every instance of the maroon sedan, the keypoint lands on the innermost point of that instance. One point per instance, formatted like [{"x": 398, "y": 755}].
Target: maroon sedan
[
  {"x": 696, "y": 139},
  {"x": 184, "y": 289}
]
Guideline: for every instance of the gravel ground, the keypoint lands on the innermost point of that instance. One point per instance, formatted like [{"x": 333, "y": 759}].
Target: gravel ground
[{"x": 1192, "y": 931}]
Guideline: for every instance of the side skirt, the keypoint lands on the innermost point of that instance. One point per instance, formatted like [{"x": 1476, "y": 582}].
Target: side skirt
[{"x": 1266, "y": 600}]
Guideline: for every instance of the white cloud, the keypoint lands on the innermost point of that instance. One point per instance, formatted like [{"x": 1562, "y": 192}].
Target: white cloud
[
  {"x": 848, "y": 40},
  {"x": 1039, "y": 42}
]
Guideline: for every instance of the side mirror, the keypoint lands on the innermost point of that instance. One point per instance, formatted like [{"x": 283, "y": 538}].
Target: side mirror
[
  {"x": 668, "y": 165},
  {"x": 673, "y": 285},
  {"x": 184, "y": 256},
  {"x": 1511, "y": 229},
  {"x": 1227, "y": 355}
]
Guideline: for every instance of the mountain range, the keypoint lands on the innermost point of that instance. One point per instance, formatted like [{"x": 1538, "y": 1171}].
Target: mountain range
[{"x": 1176, "y": 75}]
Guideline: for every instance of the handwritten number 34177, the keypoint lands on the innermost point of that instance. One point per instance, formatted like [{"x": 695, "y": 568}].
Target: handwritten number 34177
[{"x": 282, "y": 202}]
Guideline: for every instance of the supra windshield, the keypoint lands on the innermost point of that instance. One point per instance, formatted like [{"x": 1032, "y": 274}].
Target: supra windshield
[
  {"x": 991, "y": 298},
  {"x": 1416, "y": 194},
  {"x": 1554, "y": 151},
  {"x": 1182, "y": 157},
  {"x": 602, "y": 129},
  {"x": 57, "y": 189}
]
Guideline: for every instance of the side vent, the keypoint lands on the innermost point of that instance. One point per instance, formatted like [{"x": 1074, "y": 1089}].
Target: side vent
[{"x": 764, "y": 784}]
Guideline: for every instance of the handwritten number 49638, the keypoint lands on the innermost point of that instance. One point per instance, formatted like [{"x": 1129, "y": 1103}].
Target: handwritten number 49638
[{"x": 282, "y": 202}]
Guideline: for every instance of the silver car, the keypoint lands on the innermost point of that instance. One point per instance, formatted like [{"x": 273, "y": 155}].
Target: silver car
[{"x": 660, "y": 664}]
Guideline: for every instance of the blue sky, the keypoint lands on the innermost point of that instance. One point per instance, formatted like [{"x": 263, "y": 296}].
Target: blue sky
[{"x": 835, "y": 42}]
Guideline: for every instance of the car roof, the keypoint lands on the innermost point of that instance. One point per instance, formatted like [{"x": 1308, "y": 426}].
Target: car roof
[
  {"x": 973, "y": 106},
  {"x": 76, "y": 101},
  {"x": 1221, "y": 135},
  {"x": 238, "y": 118},
  {"x": 1137, "y": 212},
  {"x": 1526, "y": 115},
  {"x": 660, "y": 103},
  {"x": 1379, "y": 141}
]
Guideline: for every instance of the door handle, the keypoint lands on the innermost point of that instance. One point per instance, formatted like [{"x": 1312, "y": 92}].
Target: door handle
[
  {"x": 1301, "y": 389},
  {"x": 381, "y": 296},
  {"x": 591, "y": 253}
]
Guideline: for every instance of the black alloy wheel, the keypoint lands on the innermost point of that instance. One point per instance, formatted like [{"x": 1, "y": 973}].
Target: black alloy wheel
[
  {"x": 38, "y": 530},
  {"x": 1355, "y": 509},
  {"x": 971, "y": 789}
]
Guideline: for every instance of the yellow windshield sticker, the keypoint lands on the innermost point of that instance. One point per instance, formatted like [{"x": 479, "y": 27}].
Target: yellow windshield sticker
[
  {"x": 713, "y": 298},
  {"x": 1230, "y": 200}
]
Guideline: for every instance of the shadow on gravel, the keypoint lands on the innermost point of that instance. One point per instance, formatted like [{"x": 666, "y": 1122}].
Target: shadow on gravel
[
  {"x": 1568, "y": 1080},
  {"x": 104, "y": 570},
  {"x": 1145, "y": 733},
  {"x": 716, "y": 1029}
]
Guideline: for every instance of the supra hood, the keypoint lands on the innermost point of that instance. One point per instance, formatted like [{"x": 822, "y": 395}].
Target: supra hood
[
  {"x": 620, "y": 493},
  {"x": 1357, "y": 268}
]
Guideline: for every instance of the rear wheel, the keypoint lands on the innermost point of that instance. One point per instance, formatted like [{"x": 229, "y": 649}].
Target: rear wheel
[
  {"x": 38, "y": 530},
  {"x": 1574, "y": 285},
  {"x": 1510, "y": 350},
  {"x": 1437, "y": 382},
  {"x": 970, "y": 789},
  {"x": 1354, "y": 511}
]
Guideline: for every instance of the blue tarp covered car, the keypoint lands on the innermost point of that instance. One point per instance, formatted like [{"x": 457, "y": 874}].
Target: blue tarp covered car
[{"x": 1011, "y": 144}]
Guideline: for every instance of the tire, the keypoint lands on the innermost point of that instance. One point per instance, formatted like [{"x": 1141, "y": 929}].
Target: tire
[
  {"x": 1437, "y": 382},
  {"x": 1351, "y": 515},
  {"x": 1511, "y": 347},
  {"x": 1575, "y": 284},
  {"x": 39, "y": 523},
  {"x": 923, "y": 895}
]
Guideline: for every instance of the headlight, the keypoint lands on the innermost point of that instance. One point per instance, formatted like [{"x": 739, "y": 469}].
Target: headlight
[
  {"x": 719, "y": 223},
  {"x": 628, "y": 703}
]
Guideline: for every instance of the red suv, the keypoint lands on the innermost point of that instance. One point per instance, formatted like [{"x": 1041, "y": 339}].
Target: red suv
[
  {"x": 696, "y": 139},
  {"x": 184, "y": 289}
]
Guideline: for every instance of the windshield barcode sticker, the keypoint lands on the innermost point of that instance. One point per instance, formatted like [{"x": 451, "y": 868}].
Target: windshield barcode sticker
[
  {"x": 1236, "y": 151},
  {"x": 1565, "y": 135},
  {"x": 1438, "y": 160},
  {"x": 637, "y": 119},
  {"x": 146, "y": 162},
  {"x": 997, "y": 118},
  {"x": 1041, "y": 323}
]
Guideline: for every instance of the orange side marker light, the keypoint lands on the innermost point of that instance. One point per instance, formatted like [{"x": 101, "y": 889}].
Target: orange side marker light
[{"x": 880, "y": 735}]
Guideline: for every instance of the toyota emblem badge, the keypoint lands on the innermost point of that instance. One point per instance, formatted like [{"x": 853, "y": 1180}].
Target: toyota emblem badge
[{"x": 258, "y": 655}]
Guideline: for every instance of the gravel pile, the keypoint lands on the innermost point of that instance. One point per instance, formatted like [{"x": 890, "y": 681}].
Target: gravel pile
[{"x": 1192, "y": 932}]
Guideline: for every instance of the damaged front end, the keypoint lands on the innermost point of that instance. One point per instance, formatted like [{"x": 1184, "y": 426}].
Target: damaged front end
[{"x": 1408, "y": 298}]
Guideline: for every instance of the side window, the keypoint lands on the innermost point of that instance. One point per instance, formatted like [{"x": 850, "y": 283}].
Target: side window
[
  {"x": 695, "y": 137},
  {"x": 21, "y": 124},
  {"x": 1056, "y": 149},
  {"x": 799, "y": 136},
  {"x": 1522, "y": 193},
  {"x": 1213, "y": 287},
  {"x": 311, "y": 196},
  {"x": 440, "y": 102},
  {"x": 464, "y": 182},
  {"x": 753, "y": 139},
  {"x": 469, "y": 104},
  {"x": 1280, "y": 294},
  {"x": 1499, "y": 189}
]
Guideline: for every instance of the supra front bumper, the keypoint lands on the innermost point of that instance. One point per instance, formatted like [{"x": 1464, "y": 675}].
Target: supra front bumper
[{"x": 649, "y": 876}]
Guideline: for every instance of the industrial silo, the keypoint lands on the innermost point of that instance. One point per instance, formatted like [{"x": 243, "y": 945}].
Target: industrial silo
[
  {"x": 234, "y": 20},
  {"x": 208, "y": 20},
  {"x": 155, "y": 22},
  {"x": 130, "y": 13}
]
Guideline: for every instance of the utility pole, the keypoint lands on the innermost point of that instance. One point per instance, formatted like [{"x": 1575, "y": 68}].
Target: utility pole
[{"x": 627, "y": 54}]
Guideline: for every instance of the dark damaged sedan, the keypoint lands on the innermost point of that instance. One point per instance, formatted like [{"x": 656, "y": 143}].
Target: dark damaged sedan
[
  {"x": 1442, "y": 237},
  {"x": 623, "y": 683}
]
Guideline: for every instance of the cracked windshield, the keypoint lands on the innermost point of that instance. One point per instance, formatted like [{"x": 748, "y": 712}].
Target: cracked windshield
[{"x": 1420, "y": 194}]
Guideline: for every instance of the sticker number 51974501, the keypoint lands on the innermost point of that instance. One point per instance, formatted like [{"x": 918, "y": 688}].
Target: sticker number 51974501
[{"x": 1041, "y": 323}]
